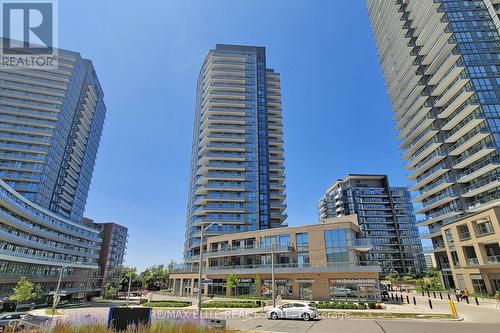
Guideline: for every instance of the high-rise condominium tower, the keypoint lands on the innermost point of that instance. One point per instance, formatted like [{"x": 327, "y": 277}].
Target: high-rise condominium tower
[
  {"x": 441, "y": 62},
  {"x": 50, "y": 127},
  {"x": 237, "y": 168},
  {"x": 385, "y": 216}
]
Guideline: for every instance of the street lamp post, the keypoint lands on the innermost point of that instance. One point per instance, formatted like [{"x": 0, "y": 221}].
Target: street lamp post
[
  {"x": 56, "y": 293},
  {"x": 200, "y": 264}
]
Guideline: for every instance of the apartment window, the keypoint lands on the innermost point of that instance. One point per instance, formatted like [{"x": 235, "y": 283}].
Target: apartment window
[
  {"x": 303, "y": 259},
  {"x": 463, "y": 232},
  {"x": 277, "y": 240},
  {"x": 338, "y": 244},
  {"x": 492, "y": 253},
  {"x": 470, "y": 255},
  {"x": 302, "y": 240},
  {"x": 484, "y": 228}
]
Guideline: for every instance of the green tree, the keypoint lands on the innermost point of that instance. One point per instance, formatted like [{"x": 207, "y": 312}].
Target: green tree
[
  {"x": 126, "y": 272},
  {"x": 392, "y": 276},
  {"x": 431, "y": 280},
  {"x": 232, "y": 282},
  {"x": 156, "y": 277},
  {"x": 25, "y": 291},
  {"x": 110, "y": 292},
  {"x": 258, "y": 284}
]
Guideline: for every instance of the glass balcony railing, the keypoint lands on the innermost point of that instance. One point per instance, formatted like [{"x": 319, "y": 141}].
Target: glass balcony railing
[
  {"x": 493, "y": 259},
  {"x": 472, "y": 261}
]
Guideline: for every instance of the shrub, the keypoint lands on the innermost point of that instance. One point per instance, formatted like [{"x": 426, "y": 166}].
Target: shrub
[
  {"x": 341, "y": 305},
  {"x": 167, "y": 304},
  {"x": 375, "y": 306},
  {"x": 143, "y": 300},
  {"x": 229, "y": 304}
]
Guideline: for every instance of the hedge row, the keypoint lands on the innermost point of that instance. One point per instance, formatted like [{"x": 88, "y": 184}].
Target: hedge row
[
  {"x": 229, "y": 304},
  {"x": 167, "y": 304},
  {"x": 346, "y": 305}
]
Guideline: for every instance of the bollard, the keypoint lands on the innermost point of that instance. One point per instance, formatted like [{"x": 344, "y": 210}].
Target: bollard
[
  {"x": 449, "y": 298},
  {"x": 467, "y": 300},
  {"x": 407, "y": 299},
  {"x": 434, "y": 294},
  {"x": 401, "y": 298},
  {"x": 414, "y": 301},
  {"x": 428, "y": 294},
  {"x": 430, "y": 303},
  {"x": 392, "y": 296},
  {"x": 423, "y": 293},
  {"x": 477, "y": 302},
  {"x": 453, "y": 309},
  {"x": 440, "y": 295}
]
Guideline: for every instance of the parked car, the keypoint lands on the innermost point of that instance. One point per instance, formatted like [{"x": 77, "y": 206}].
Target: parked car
[
  {"x": 296, "y": 310},
  {"x": 20, "y": 320}
]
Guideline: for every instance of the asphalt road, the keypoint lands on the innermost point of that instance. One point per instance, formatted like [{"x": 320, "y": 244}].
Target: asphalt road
[
  {"x": 240, "y": 319},
  {"x": 360, "y": 325}
]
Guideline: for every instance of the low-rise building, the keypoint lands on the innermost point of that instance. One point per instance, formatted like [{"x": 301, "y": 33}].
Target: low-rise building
[
  {"x": 471, "y": 251},
  {"x": 321, "y": 261}
]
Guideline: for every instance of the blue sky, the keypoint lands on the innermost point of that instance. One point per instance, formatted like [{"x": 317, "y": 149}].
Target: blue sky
[{"x": 147, "y": 55}]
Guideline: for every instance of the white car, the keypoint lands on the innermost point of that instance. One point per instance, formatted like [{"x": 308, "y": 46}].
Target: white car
[{"x": 301, "y": 310}]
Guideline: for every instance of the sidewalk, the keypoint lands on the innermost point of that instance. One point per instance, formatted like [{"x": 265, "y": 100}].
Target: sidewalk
[{"x": 485, "y": 312}]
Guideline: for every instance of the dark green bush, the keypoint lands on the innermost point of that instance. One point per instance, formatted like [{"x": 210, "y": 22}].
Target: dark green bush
[{"x": 167, "y": 304}]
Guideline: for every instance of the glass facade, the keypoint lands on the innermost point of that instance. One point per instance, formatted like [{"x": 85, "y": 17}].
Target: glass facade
[
  {"x": 50, "y": 126},
  {"x": 385, "y": 217},
  {"x": 51, "y": 123},
  {"x": 442, "y": 73},
  {"x": 237, "y": 168}
]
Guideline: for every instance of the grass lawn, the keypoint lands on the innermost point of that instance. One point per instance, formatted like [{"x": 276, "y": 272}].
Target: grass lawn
[
  {"x": 229, "y": 304},
  {"x": 56, "y": 312},
  {"x": 394, "y": 315}
]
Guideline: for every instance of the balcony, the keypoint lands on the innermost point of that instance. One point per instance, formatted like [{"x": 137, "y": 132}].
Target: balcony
[
  {"x": 489, "y": 201},
  {"x": 362, "y": 244},
  {"x": 470, "y": 139},
  {"x": 473, "y": 154},
  {"x": 248, "y": 250},
  {"x": 18, "y": 256},
  {"x": 482, "y": 186},
  {"x": 493, "y": 260},
  {"x": 437, "y": 201},
  {"x": 434, "y": 188},
  {"x": 478, "y": 170},
  {"x": 472, "y": 262},
  {"x": 296, "y": 268}
]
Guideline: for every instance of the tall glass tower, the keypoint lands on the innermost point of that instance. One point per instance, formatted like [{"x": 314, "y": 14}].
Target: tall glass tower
[
  {"x": 441, "y": 62},
  {"x": 50, "y": 126},
  {"x": 237, "y": 167}
]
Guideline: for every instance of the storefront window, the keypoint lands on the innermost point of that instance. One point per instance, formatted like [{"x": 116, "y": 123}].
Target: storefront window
[
  {"x": 478, "y": 283},
  {"x": 283, "y": 288},
  {"x": 217, "y": 287},
  {"x": 305, "y": 289},
  {"x": 246, "y": 286},
  {"x": 354, "y": 289}
]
